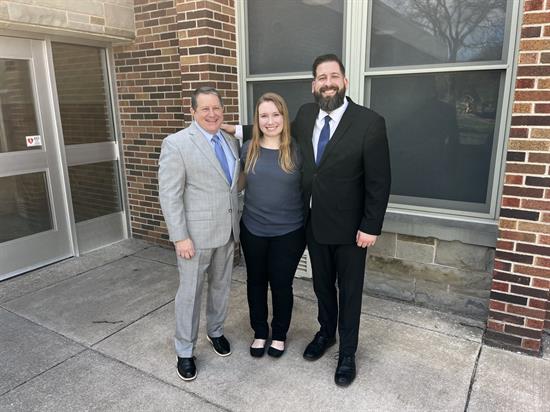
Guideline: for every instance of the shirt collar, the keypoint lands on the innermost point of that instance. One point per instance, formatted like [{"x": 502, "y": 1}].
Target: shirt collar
[
  {"x": 208, "y": 136},
  {"x": 336, "y": 114}
]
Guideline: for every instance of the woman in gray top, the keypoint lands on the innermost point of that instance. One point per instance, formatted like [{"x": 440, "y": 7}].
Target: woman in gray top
[{"x": 272, "y": 225}]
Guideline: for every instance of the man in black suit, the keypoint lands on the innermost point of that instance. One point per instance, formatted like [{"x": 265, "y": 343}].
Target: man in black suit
[{"x": 346, "y": 186}]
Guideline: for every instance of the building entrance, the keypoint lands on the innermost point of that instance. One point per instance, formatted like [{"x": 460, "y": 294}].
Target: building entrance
[
  {"x": 60, "y": 185},
  {"x": 34, "y": 224}
]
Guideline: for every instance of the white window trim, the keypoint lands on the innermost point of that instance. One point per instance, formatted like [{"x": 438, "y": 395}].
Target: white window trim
[{"x": 479, "y": 227}]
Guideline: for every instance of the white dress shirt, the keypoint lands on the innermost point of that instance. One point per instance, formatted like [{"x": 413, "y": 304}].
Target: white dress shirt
[
  {"x": 226, "y": 150},
  {"x": 335, "y": 117}
]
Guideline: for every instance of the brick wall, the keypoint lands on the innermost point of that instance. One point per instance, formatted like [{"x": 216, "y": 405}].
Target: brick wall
[
  {"x": 180, "y": 45},
  {"x": 208, "y": 51},
  {"x": 149, "y": 91},
  {"x": 521, "y": 279}
]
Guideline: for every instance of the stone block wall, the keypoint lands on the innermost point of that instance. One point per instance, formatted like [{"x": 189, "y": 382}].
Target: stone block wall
[
  {"x": 113, "y": 19},
  {"x": 450, "y": 276},
  {"x": 521, "y": 281}
]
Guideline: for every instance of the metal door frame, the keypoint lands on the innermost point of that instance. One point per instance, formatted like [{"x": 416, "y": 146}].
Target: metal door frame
[{"x": 57, "y": 243}]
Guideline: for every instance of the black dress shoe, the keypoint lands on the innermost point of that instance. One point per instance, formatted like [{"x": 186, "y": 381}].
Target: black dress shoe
[
  {"x": 221, "y": 345},
  {"x": 274, "y": 352},
  {"x": 318, "y": 346},
  {"x": 187, "y": 369},
  {"x": 345, "y": 371}
]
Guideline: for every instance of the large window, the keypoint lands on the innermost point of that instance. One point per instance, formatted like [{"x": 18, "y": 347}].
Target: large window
[
  {"x": 439, "y": 71},
  {"x": 283, "y": 37}
]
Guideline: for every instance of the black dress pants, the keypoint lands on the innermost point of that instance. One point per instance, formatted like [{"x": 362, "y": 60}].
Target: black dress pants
[
  {"x": 345, "y": 265},
  {"x": 273, "y": 261}
]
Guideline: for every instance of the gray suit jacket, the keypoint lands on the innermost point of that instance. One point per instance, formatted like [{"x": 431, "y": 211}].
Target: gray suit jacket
[{"x": 196, "y": 198}]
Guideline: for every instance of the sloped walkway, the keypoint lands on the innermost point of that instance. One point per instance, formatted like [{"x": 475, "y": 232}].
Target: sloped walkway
[{"x": 95, "y": 333}]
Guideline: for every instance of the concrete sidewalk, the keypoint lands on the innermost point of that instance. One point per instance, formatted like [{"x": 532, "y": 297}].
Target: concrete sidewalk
[{"x": 96, "y": 333}]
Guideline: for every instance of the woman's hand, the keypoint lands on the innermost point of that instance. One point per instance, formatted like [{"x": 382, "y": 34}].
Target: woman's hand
[{"x": 229, "y": 128}]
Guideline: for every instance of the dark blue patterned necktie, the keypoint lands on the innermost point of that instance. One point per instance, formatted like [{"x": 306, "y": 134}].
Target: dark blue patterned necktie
[
  {"x": 221, "y": 157},
  {"x": 323, "y": 140}
]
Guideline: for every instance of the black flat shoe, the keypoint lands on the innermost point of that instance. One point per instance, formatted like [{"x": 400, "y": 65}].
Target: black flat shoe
[
  {"x": 257, "y": 352},
  {"x": 275, "y": 353}
]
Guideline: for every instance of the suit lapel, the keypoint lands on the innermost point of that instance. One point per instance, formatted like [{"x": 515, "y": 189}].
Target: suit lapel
[
  {"x": 235, "y": 151},
  {"x": 206, "y": 149},
  {"x": 308, "y": 133},
  {"x": 345, "y": 122}
]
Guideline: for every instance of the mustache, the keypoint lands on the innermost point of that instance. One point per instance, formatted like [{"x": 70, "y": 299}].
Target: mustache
[{"x": 326, "y": 88}]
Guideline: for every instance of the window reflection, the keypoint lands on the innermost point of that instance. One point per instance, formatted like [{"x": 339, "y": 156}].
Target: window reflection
[
  {"x": 295, "y": 92},
  {"x": 24, "y": 206},
  {"x": 82, "y": 92},
  {"x": 441, "y": 131},
  {"x": 94, "y": 190},
  {"x": 414, "y": 32},
  {"x": 286, "y": 35},
  {"x": 17, "y": 113}
]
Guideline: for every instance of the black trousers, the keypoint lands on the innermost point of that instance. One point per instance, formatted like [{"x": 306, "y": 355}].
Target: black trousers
[
  {"x": 345, "y": 265},
  {"x": 273, "y": 261}
]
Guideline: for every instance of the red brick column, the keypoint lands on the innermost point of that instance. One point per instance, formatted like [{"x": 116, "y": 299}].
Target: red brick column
[
  {"x": 180, "y": 45},
  {"x": 521, "y": 281},
  {"x": 149, "y": 98},
  {"x": 208, "y": 50}
]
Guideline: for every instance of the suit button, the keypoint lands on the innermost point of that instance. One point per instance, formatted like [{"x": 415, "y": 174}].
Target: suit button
[{"x": 230, "y": 210}]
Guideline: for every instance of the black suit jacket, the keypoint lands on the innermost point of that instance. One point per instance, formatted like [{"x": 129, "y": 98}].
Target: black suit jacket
[{"x": 349, "y": 190}]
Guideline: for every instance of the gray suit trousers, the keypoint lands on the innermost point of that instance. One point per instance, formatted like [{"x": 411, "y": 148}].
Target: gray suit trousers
[{"x": 216, "y": 266}]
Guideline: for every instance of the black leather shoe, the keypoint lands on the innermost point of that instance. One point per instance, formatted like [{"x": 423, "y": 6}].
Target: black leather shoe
[
  {"x": 221, "y": 345},
  {"x": 318, "y": 346},
  {"x": 187, "y": 369},
  {"x": 274, "y": 352},
  {"x": 345, "y": 371}
]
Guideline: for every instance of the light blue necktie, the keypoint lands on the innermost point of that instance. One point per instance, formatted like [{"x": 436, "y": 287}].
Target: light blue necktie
[
  {"x": 323, "y": 140},
  {"x": 221, "y": 157}
]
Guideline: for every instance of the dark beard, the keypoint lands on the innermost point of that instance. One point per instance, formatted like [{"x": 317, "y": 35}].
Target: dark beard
[{"x": 328, "y": 104}]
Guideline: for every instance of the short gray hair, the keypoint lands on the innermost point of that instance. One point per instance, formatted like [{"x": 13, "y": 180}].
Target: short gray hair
[{"x": 204, "y": 90}]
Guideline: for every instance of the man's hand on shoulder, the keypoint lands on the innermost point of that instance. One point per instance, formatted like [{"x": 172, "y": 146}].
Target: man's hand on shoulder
[
  {"x": 364, "y": 239},
  {"x": 229, "y": 128},
  {"x": 185, "y": 248}
]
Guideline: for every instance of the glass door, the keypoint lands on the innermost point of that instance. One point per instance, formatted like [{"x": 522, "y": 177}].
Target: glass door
[
  {"x": 91, "y": 150},
  {"x": 34, "y": 228}
]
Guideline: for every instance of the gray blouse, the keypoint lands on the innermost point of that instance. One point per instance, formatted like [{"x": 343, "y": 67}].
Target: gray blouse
[{"x": 273, "y": 198}]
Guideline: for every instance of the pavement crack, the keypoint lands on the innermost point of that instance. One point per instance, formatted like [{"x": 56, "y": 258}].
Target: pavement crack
[
  {"x": 150, "y": 375},
  {"x": 43, "y": 372},
  {"x": 64, "y": 279},
  {"x": 469, "y": 325},
  {"x": 129, "y": 324},
  {"x": 109, "y": 322},
  {"x": 156, "y": 261},
  {"x": 473, "y": 378}
]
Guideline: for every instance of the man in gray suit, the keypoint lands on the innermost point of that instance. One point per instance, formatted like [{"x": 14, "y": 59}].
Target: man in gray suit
[{"x": 198, "y": 173}]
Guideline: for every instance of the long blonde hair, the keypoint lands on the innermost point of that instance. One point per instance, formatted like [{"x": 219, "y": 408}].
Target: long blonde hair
[{"x": 285, "y": 150}]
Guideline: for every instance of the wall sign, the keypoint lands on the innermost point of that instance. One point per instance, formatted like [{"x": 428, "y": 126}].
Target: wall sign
[{"x": 33, "y": 140}]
